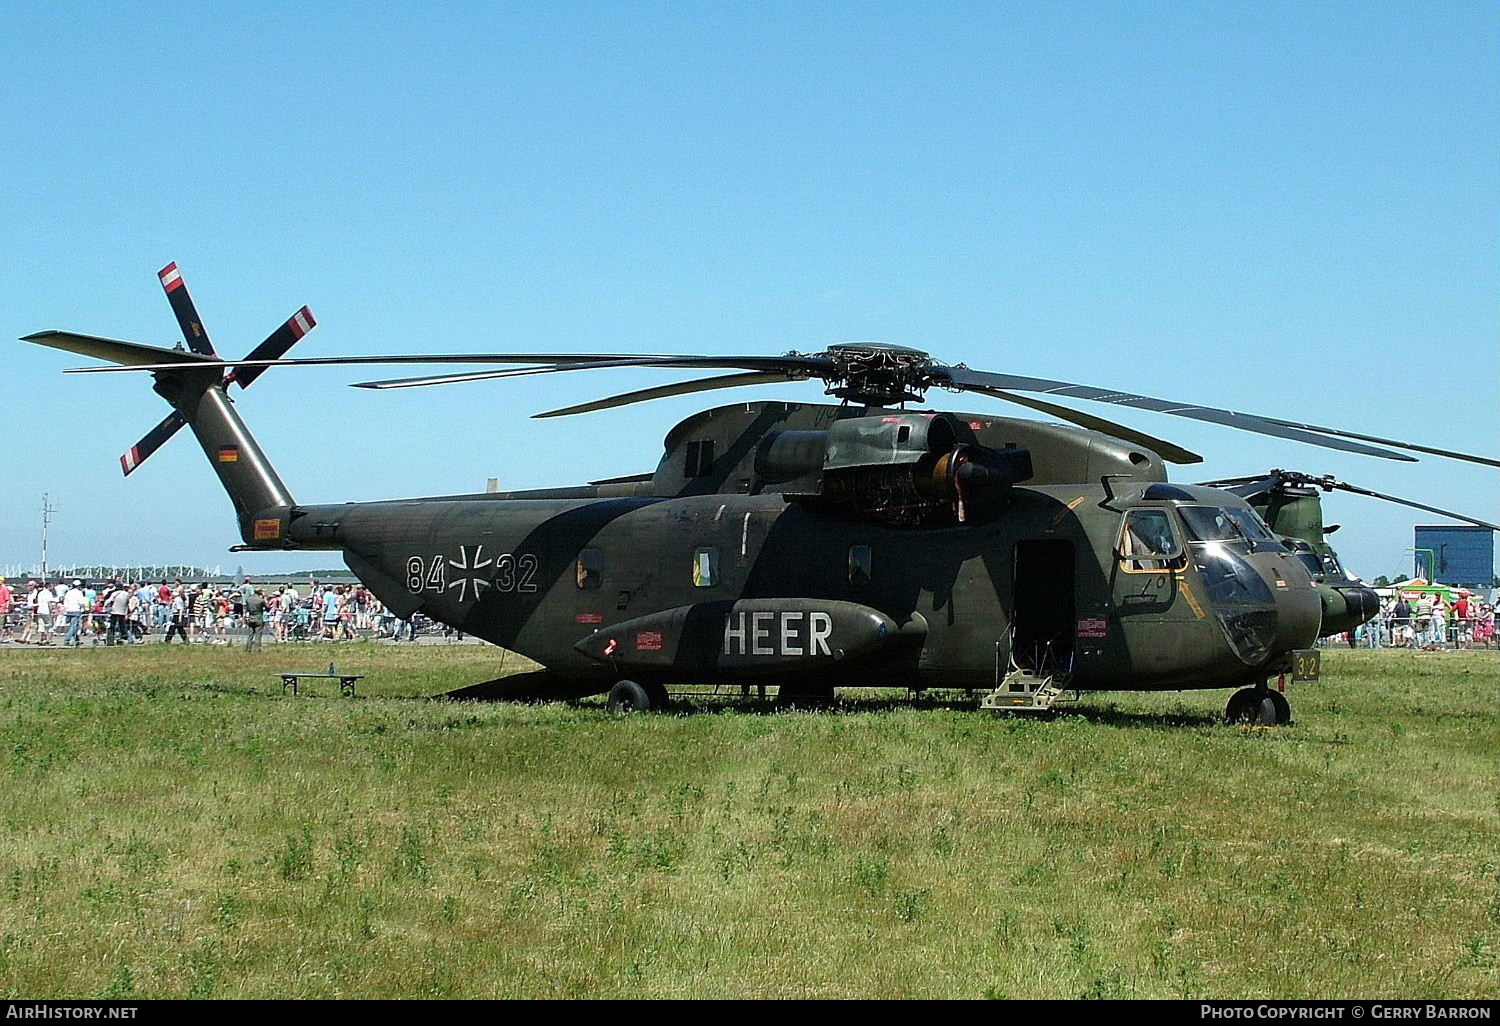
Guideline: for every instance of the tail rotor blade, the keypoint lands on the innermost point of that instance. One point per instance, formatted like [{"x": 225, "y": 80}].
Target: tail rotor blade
[
  {"x": 274, "y": 347},
  {"x": 153, "y": 440},
  {"x": 188, "y": 320}
]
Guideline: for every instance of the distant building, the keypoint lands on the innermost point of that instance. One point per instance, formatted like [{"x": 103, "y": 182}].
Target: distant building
[{"x": 1455, "y": 555}]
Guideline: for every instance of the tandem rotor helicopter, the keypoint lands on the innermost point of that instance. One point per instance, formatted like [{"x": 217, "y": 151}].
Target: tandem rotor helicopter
[{"x": 810, "y": 546}]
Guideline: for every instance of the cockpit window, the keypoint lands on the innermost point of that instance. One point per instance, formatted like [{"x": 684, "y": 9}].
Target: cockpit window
[
  {"x": 1251, "y": 525},
  {"x": 1209, "y": 523},
  {"x": 1228, "y": 524},
  {"x": 1230, "y": 580},
  {"x": 1148, "y": 541}
]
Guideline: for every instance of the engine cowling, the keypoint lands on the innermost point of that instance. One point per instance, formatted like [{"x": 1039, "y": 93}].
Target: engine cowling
[{"x": 899, "y": 468}]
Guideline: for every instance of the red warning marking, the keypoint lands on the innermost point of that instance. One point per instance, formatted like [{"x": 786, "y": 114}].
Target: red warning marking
[
  {"x": 171, "y": 277},
  {"x": 302, "y": 322},
  {"x": 589, "y": 618},
  {"x": 648, "y": 641},
  {"x": 130, "y": 460},
  {"x": 1094, "y": 627}
]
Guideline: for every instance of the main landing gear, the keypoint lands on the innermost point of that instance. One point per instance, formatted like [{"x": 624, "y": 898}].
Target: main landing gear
[
  {"x": 627, "y": 697},
  {"x": 1258, "y": 707}
]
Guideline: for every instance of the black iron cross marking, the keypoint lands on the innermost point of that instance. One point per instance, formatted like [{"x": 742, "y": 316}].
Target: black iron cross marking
[{"x": 467, "y": 578}]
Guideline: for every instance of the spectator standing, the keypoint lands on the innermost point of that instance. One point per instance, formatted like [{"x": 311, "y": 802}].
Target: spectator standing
[
  {"x": 286, "y": 607},
  {"x": 332, "y": 600},
  {"x": 28, "y": 628},
  {"x": 1437, "y": 632},
  {"x": 6, "y": 597},
  {"x": 1401, "y": 622},
  {"x": 142, "y": 615},
  {"x": 46, "y": 602},
  {"x": 75, "y": 604},
  {"x": 177, "y": 619},
  {"x": 117, "y": 602},
  {"x": 192, "y": 609},
  {"x": 255, "y": 619}
]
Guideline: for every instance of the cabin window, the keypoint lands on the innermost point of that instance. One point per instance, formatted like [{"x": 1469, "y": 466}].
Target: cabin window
[
  {"x": 1148, "y": 542},
  {"x": 705, "y": 567},
  {"x": 859, "y": 564},
  {"x": 699, "y": 458},
  {"x": 590, "y": 569}
]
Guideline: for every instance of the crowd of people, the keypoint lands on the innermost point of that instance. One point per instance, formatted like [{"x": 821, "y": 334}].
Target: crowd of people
[
  {"x": 1428, "y": 621},
  {"x": 118, "y": 613},
  {"x": 72, "y": 613}
]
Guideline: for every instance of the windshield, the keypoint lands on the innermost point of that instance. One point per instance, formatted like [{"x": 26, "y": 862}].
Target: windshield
[
  {"x": 1230, "y": 580},
  {"x": 1251, "y": 525},
  {"x": 1209, "y": 524},
  {"x": 1227, "y": 524},
  {"x": 1241, "y": 598}
]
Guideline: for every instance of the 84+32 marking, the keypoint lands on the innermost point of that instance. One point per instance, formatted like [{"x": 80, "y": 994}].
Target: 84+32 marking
[{"x": 471, "y": 572}]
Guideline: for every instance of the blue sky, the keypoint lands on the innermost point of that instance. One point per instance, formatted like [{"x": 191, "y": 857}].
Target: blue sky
[{"x": 1289, "y": 209}]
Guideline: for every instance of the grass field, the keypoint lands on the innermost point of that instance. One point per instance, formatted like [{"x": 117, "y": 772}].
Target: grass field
[{"x": 174, "y": 827}]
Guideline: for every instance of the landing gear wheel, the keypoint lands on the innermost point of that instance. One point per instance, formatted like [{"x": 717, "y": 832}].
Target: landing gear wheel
[
  {"x": 627, "y": 696},
  {"x": 660, "y": 700},
  {"x": 1253, "y": 707},
  {"x": 1283, "y": 708}
]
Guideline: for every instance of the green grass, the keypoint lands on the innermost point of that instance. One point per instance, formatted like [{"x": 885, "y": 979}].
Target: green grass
[{"x": 174, "y": 827}]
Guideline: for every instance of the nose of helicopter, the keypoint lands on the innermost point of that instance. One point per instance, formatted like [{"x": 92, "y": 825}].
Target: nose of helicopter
[{"x": 1346, "y": 606}]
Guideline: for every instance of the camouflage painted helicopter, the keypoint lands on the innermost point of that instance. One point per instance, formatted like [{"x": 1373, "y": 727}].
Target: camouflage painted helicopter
[{"x": 813, "y": 546}]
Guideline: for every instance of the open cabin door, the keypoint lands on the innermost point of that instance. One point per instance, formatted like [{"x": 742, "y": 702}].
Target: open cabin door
[{"x": 1043, "y": 617}]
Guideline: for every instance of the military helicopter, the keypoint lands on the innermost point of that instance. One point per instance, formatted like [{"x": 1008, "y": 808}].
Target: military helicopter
[
  {"x": 1290, "y": 502},
  {"x": 809, "y": 546}
]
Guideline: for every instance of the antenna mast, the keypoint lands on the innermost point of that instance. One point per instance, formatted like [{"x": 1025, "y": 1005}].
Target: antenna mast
[{"x": 47, "y": 511}]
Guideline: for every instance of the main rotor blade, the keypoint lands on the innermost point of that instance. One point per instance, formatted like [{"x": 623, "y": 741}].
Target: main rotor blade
[
  {"x": 1451, "y": 454},
  {"x": 962, "y": 378},
  {"x": 813, "y": 366},
  {"x": 802, "y": 367},
  {"x": 680, "y": 388},
  {"x": 193, "y": 332},
  {"x": 1245, "y": 487},
  {"x": 1169, "y": 451},
  {"x": 99, "y": 347},
  {"x": 1415, "y": 505}
]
